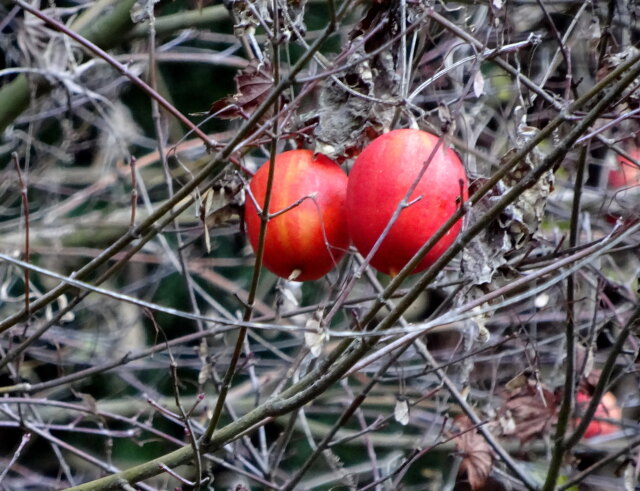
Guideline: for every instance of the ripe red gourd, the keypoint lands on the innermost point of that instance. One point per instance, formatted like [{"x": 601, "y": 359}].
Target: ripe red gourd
[
  {"x": 627, "y": 174},
  {"x": 607, "y": 409},
  {"x": 380, "y": 179},
  {"x": 306, "y": 241}
]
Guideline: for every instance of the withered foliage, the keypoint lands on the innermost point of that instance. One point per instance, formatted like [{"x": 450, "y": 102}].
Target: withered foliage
[
  {"x": 477, "y": 456},
  {"x": 519, "y": 221},
  {"x": 528, "y": 412},
  {"x": 254, "y": 84},
  {"x": 359, "y": 103}
]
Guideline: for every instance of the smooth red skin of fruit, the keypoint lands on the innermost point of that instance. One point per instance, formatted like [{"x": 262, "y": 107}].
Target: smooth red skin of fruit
[
  {"x": 607, "y": 409},
  {"x": 379, "y": 180},
  {"x": 627, "y": 174},
  {"x": 297, "y": 239}
]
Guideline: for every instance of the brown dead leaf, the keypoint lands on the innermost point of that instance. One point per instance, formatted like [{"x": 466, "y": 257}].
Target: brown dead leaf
[
  {"x": 486, "y": 253},
  {"x": 360, "y": 103},
  {"x": 490, "y": 250},
  {"x": 254, "y": 83},
  {"x": 221, "y": 205},
  {"x": 477, "y": 457},
  {"x": 528, "y": 412},
  {"x": 631, "y": 95}
]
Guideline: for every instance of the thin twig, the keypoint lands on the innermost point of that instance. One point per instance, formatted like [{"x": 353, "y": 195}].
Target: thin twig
[
  {"x": 25, "y": 207},
  {"x": 16, "y": 455}
]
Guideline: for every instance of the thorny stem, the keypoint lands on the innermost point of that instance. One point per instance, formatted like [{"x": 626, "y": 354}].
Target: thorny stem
[
  {"x": 16, "y": 455},
  {"x": 183, "y": 417}
]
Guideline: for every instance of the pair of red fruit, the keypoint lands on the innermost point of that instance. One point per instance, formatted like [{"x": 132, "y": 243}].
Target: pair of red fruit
[{"x": 317, "y": 211}]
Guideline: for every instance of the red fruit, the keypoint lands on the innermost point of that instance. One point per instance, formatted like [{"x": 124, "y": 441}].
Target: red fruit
[
  {"x": 627, "y": 174},
  {"x": 306, "y": 241},
  {"x": 379, "y": 181},
  {"x": 607, "y": 409}
]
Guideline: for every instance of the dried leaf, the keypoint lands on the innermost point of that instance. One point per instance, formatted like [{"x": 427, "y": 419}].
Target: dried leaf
[
  {"x": 206, "y": 206},
  {"x": 224, "y": 215},
  {"x": 359, "y": 104},
  {"x": 314, "y": 336},
  {"x": 345, "y": 120},
  {"x": 483, "y": 335},
  {"x": 142, "y": 10},
  {"x": 248, "y": 17},
  {"x": 204, "y": 373},
  {"x": 203, "y": 351},
  {"x": 338, "y": 468},
  {"x": 630, "y": 477},
  {"x": 250, "y": 14},
  {"x": 523, "y": 217},
  {"x": 488, "y": 251},
  {"x": 589, "y": 362},
  {"x": 444, "y": 115},
  {"x": 221, "y": 204},
  {"x": 478, "y": 84},
  {"x": 477, "y": 457},
  {"x": 401, "y": 411},
  {"x": 288, "y": 296},
  {"x": 532, "y": 408},
  {"x": 62, "y": 304},
  {"x": 517, "y": 382},
  {"x": 253, "y": 84},
  {"x": 89, "y": 401},
  {"x": 631, "y": 95}
]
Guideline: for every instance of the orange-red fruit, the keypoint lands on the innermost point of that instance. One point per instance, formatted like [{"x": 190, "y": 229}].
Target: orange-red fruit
[
  {"x": 379, "y": 181},
  {"x": 607, "y": 409},
  {"x": 627, "y": 174},
  {"x": 306, "y": 241}
]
